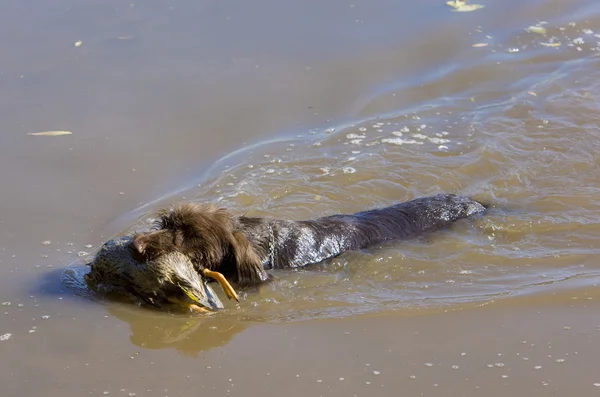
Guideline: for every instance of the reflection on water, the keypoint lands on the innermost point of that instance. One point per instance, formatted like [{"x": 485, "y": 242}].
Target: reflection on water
[{"x": 186, "y": 334}]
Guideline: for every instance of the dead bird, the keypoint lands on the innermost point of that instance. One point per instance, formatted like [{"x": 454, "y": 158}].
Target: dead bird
[
  {"x": 172, "y": 278},
  {"x": 192, "y": 242}
]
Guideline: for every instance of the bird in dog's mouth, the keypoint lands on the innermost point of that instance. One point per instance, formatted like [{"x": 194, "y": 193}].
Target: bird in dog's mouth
[{"x": 167, "y": 279}]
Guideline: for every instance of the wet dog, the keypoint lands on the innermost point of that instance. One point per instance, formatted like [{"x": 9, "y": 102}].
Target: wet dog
[{"x": 242, "y": 248}]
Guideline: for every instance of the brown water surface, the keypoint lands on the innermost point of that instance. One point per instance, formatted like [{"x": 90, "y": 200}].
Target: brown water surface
[{"x": 296, "y": 111}]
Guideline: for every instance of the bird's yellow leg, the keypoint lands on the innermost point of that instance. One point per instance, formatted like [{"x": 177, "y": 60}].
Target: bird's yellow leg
[
  {"x": 198, "y": 309},
  {"x": 229, "y": 291},
  {"x": 190, "y": 306}
]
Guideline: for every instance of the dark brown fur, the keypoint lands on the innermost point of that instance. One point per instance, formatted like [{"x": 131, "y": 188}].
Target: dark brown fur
[
  {"x": 241, "y": 248},
  {"x": 208, "y": 236}
]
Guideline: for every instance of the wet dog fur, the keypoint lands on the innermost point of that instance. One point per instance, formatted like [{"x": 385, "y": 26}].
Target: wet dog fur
[{"x": 243, "y": 248}]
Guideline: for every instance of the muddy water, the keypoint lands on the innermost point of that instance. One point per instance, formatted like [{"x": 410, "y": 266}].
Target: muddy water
[{"x": 296, "y": 111}]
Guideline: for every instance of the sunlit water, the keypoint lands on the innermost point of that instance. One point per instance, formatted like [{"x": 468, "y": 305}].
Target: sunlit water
[{"x": 297, "y": 110}]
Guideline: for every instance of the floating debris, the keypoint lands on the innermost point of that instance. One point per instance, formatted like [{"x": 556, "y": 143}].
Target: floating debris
[
  {"x": 536, "y": 29},
  {"x": 78, "y": 43},
  {"x": 462, "y": 6},
  {"x": 477, "y": 45},
  {"x": 5, "y": 337},
  {"x": 400, "y": 141},
  {"x": 50, "y": 133},
  {"x": 438, "y": 141},
  {"x": 355, "y": 136}
]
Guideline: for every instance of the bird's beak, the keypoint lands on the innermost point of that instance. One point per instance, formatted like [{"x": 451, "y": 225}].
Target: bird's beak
[{"x": 198, "y": 296}]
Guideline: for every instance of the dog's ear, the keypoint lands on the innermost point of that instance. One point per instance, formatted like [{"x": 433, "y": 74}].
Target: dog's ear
[
  {"x": 150, "y": 245},
  {"x": 249, "y": 266},
  {"x": 138, "y": 244}
]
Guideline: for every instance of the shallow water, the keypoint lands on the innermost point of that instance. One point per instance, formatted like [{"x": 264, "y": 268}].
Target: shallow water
[{"x": 299, "y": 111}]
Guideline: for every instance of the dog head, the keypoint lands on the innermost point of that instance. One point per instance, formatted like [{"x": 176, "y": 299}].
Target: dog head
[{"x": 206, "y": 234}]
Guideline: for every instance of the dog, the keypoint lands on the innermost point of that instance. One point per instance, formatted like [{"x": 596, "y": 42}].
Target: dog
[{"x": 243, "y": 248}]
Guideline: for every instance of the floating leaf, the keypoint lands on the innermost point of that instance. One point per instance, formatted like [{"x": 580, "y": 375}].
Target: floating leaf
[
  {"x": 461, "y": 6},
  {"x": 536, "y": 29},
  {"x": 50, "y": 133},
  {"x": 469, "y": 7},
  {"x": 555, "y": 44}
]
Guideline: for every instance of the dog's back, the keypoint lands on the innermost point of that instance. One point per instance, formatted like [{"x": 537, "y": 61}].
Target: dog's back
[{"x": 300, "y": 243}]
